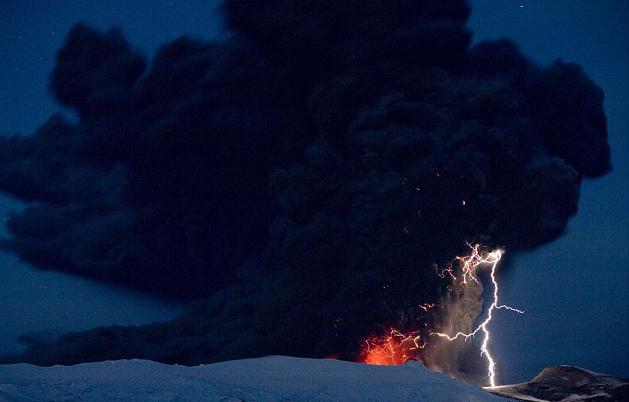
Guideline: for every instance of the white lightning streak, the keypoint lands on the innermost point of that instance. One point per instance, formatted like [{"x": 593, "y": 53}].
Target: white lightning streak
[{"x": 469, "y": 265}]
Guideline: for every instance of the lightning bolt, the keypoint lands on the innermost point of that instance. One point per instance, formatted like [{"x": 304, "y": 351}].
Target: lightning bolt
[
  {"x": 396, "y": 348},
  {"x": 469, "y": 265},
  {"x": 427, "y": 306}
]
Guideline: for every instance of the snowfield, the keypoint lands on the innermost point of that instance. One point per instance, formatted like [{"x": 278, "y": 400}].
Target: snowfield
[
  {"x": 274, "y": 378},
  {"x": 568, "y": 384}
]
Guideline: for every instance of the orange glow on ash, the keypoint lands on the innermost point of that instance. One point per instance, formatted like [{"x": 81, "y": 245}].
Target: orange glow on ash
[
  {"x": 392, "y": 349},
  {"x": 396, "y": 347}
]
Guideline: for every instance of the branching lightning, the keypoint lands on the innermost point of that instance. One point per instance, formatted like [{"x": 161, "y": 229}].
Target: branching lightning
[
  {"x": 469, "y": 265},
  {"x": 395, "y": 348},
  {"x": 428, "y": 306}
]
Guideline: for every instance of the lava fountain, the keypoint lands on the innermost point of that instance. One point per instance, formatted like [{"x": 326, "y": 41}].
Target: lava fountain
[{"x": 392, "y": 349}]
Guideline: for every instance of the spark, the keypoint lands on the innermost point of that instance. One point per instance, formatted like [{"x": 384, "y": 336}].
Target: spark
[
  {"x": 427, "y": 306},
  {"x": 469, "y": 265}
]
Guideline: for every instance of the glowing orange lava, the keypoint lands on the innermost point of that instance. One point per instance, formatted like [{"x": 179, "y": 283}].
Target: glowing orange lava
[
  {"x": 392, "y": 349},
  {"x": 397, "y": 348}
]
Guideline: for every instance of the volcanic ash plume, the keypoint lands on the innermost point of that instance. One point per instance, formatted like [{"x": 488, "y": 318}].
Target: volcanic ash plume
[
  {"x": 461, "y": 310},
  {"x": 299, "y": 179}
]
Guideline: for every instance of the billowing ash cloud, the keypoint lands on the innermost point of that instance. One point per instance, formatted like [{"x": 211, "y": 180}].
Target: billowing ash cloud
[{"x": 306, "y": 174}]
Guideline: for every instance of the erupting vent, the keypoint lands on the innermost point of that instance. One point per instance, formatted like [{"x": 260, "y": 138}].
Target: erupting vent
[
  {"x": 392, "y": 349},
  {"x": 397, "y": 347}
]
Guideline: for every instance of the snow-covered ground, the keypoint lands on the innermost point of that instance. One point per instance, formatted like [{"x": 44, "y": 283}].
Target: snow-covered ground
[
  {"x": 274, "y": 378},
  {"x": 568, "y": 384}
]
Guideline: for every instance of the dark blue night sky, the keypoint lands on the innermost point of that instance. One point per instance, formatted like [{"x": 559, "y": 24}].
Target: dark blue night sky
[{"x": 574, "y": 289}]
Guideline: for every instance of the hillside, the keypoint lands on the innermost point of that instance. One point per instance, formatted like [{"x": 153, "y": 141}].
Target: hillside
[{"x": 274, "y": 378}]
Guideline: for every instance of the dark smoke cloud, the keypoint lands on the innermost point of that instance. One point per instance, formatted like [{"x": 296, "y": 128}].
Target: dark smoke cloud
[
  {"x": 162, "y": 185},
  {"x": 306, "y": 174}
]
